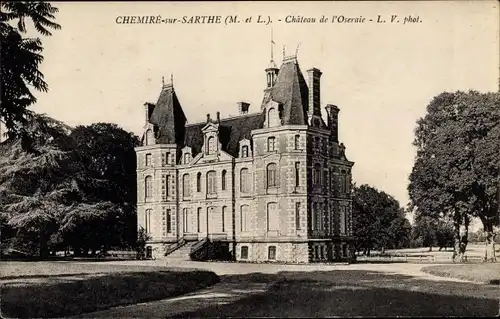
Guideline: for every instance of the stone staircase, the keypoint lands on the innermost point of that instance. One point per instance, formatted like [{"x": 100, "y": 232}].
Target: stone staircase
[{"x": 182, "y": 253}]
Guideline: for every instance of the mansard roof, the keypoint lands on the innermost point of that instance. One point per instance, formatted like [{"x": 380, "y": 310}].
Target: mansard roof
[
  {"x": 168, "y": 117},
  {"x": 291, "y": 92},
  {"x": 231, "y": 132}
]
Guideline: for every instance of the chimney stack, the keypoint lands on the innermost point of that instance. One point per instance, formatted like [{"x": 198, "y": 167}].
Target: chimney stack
[
  {"x": 243, "y": 107},
  {"x": 314, "y": 91},
  {"x": 333, "y": 121},
  {"x": 208, "y": 117},
  {"x": 218, "y": 117}
]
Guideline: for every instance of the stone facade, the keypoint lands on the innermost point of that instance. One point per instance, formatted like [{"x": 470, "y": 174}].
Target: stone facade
[{"x": 274, "y": 184}]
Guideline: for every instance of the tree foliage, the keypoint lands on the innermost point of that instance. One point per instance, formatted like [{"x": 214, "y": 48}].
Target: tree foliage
[{"x": 456, "y": 171}]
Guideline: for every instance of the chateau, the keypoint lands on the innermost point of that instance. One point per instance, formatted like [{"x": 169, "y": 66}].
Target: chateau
[{"x": 269, "y": 185}]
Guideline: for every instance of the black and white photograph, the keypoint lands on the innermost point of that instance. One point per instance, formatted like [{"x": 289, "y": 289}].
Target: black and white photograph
[{"x": 281, "y": 159}]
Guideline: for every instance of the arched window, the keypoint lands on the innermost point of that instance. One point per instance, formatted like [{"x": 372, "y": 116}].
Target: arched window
[
  {"x": 271, "y": 253},
  {"x": 317, "y": 174},
  {"x": 198, "y": 219},
  {"x": 297, "y": 142},
  {"x": 272, "y": 216},
  {"x": 211, "y": 145},
  {"x": 186, "y": 186},
  {"x": 147, "y": 221},
  {"x": 198, "y": 182},
  {"x": 148, "y": 187},
  {"x": 148, "y": 159},
  {"x": 211, "y": 183},
  {"x": 271, "y": 175},
  {"x": 187, "y": 158},
  {"x": 149, "y": 137},
  {"x": 271, "y": 144},
  {"x": 244, "y": 151},
  {"x": 244, "y": 217},
  {"x": 297, "y": 174},
  {"x": 272, "y": 117},
  {"x": 244, "y": 180},
  {"x": 223, "y": 186}
]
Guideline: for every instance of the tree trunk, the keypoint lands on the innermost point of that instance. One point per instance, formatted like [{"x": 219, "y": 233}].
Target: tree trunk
[
  {"x": 456, "y": 242},
  {"x": 430, "y": 248},
  {"x": 489, "y": 241}
]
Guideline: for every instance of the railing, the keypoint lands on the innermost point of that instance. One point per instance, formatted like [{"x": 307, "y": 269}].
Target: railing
[
  {"x": 418, "y": 258},
  {"x": 178, "y": 244},
  {"x": 197, "y": 252},
  {"x": 199, "y": 245}
]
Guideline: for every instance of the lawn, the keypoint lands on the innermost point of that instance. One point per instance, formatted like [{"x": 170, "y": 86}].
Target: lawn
[
  {"x": 54, "y": 289},
  {"x": 484, "y": 273}
]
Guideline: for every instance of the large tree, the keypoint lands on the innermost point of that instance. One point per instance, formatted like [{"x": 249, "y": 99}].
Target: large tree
[
  {"x": 20, "y": 59},
  {"x": 455, "y": 174}
]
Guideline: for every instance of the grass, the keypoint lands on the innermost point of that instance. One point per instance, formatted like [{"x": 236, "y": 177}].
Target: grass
[
  {"x": 488, "y": 273},
  {"x": 61, "y": 290}
]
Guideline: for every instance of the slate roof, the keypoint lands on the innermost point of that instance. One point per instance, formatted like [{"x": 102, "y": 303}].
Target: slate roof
[
  {"x": 168, "y": 118},
  {"x": 231, "y": 132},
  {"x": 291, "y": 92}
]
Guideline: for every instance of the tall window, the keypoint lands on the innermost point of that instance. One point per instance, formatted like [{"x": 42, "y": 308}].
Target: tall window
[
  {"x": 244, "y": 180},
  {"x": 297, "y": 174},
  {"x": 297, "y": 216},
  {"x": 271, "y": 253},
  {"x": 244, "y": 151},
  {"x": 297, "y": 142},
  {"x": 147, "y": 221},
  {"x": 211, "y": 145},
  {"x": 186, "y": 158},
  {"x": 185, "y": 219},
  {"x": 198, "y": 182},
  {"x": 149, "y": 137},
  {"x": 223, "y": 180},
  {"x": 211, "y": 183},
  {"x": 347, "y": 183},
  {"x": 167, "y": 185},
  {"x": 319, "y": 217},
  {"x": 272, "y": 216},
  {"x": 198, "y": 216},
  {"x": 313, "y": 216},
  {"x": 148, "y": 159},
  {"x": 317, "y": 174},
  {"x": 244, "y": 252},
  {"x": 169, "y": 221},
  {"x": 243, "y": 217},
  {"x": 148, "y": 187},
  {"x": 224, "y": 211},
  {"x": 342, "y": 220},
  {"x": 169, "y": 158},
  {"x": 271, "y": 175},
  {"x": 271, "y": 144},
  {"x": 185, "y": 185},
  {"x": 272, "y": 117}
]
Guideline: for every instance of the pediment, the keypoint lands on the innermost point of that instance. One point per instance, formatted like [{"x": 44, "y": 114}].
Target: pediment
[
  {"x": 202, "y": 158},
  {"x": 210, "y": 127}
]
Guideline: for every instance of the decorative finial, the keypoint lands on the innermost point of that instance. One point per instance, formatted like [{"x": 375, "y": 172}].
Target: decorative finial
[
  {"x": 172, "y": 79},
  {"x": 283, "y": 52},
  {"x": 272, "y": 45},
  {"x": 297, "y": 50},
  {"x": 163, "y": 81}
]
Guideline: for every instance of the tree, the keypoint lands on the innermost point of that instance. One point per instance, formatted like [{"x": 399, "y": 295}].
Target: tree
[
  {"x": 20, "y": 60},
  {"x": 379, "y": 220},
  {"x": 455, "y": 174}
]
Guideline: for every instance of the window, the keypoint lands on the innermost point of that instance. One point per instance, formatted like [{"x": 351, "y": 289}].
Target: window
[
  {"x": 316, "y": 250},
  {"x": 169, "y": 158},
  {"x": 198, "y": 182},
  {"x": 313, "y": 216},
  {"x": 149, "y": 137},
  {"x": 344, "y": 250},
  {"x": 167, "y": 185},
  {"x": 148, "y": 187},
  {"x": 342, "y": 220},
  {"x": 147, "y": 221},
  {"x": 169, "y": 221},
  {"x": 271, "y": 253},
  {"x": 223, "y": 226},
  {"x": 243, "y": 217},
  {"x": 272, "y": 117},
  {"x": 271, "y": 175},
  {"x": 186, "y": 158},
  {"x": 317, "y": 175},
  {"x": 148, "y": 159},
  {"x": 272, "y": 216},
  {"x": 297, "y": 174},
  {"x": 198, "y": 216},
  {"x": 244, "y": 151},
  {"x": 244, "y": 252},
  {"x": 297, "y": 216},
  {"x": 185, "y": 186},
  {"x": 319, "y": 216},
  {"x": 297, "y": 142},
  {"x": 211, "y": 145},
  {"x": 347, "y": 183},
  {"x": 322, "y": 252},
  {"x": 271, "y": 144},
  {"x": 185, "y": 219},
  {"x": 244, "y": 180},
  {"x": 223, "y": 180},
  {"x": 211, "y": 183}
]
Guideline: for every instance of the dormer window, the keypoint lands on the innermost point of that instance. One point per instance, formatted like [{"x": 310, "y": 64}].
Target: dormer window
[
  {"x": 244, "y": 151},
  {"x": 297, "y": 142},
  {"x": 211, "y": 145},
  {"x": 187, "y": 158},
  {"x": 149, "y": 137},
  {"x": 272, "y": 117},
  {"x": 271, "y": 144}
]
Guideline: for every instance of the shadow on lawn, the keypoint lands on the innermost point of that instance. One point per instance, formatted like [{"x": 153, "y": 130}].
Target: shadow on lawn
[{"x": 343, "y": 293}]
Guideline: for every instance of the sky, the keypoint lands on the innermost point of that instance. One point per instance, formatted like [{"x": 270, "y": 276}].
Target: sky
[{"x": 380, "y": 75}]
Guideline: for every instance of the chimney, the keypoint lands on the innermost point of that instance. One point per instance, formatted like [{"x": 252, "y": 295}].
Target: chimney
[
  {"x": 218, "y": 117},
  {"x": 314, "y": 91},
  {"x": 243, "y": 107},
  {"x": 208, "y": 117},
  {"x": 333, "y": 121}
]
